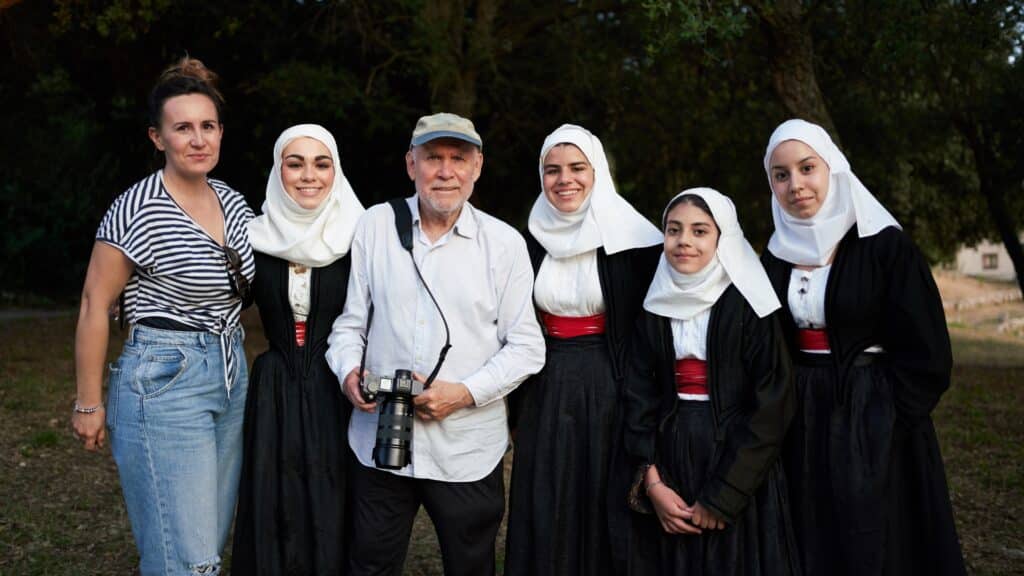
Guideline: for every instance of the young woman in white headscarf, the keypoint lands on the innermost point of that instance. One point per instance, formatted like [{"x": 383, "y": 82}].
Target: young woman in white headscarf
[
  {"x": 872, "y": 358},
  {"x": 593, "y": 255},
  {"x": 708, "y": 399},
  {"x": 291, "y": 508}
]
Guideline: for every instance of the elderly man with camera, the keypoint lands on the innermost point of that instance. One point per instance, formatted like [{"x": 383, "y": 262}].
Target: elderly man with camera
[{"x": 429, "y": 273}]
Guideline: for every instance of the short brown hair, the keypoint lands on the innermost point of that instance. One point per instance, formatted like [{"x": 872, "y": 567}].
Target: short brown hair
[{"x": 186, "y": 76}]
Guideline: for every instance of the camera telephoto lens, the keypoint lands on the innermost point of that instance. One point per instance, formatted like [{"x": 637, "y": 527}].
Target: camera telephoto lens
[{"x": 394, "y": 429}]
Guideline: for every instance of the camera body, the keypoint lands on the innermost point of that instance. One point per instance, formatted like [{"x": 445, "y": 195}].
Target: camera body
[
  {"x": 393, "y": 448},
  {"x": 372, "y": 385}
]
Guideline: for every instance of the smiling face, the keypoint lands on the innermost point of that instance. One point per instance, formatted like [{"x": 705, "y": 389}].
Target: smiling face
[
  {"x": 800, "y": 178},
  {"x": 691, "y": 238},
  {"x": 568, "y": 177},
  {"x": 307, "y": 171},
  {"x": 189, "y": 135},
  {"x": 444, "y": 171}
]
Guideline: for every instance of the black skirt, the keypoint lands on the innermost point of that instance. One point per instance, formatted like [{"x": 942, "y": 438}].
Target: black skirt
[
  {"x": 291, "y": 505},
  {"x": 757, "y": 544},
  {"x": 867, "y": 490},
  {"x": 565, "y": 446}
]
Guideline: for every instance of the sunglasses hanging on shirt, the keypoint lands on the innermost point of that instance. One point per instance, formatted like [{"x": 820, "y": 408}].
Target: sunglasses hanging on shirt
[{"x": 239, "y": 283}]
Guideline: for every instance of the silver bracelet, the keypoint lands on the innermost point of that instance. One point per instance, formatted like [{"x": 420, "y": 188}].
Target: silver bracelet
[{"x": 81, "y": 410}]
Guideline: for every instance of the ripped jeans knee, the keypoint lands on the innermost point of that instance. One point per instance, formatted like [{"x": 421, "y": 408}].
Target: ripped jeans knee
[{"x": 208, "y": 568}]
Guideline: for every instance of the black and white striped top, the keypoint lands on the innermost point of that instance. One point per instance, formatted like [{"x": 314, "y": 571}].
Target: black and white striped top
[{"x": 181, "y": 273}]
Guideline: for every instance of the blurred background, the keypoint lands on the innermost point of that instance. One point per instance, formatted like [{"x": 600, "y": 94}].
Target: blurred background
[{"x": 923, "y": 97}]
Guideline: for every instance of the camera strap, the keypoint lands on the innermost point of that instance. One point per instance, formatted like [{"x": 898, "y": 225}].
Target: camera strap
[{"x": 403, "y": 225}]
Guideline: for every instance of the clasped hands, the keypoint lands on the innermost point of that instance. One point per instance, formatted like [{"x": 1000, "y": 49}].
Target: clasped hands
[
  {"x": 674, "y": 514},
  {"x": 435, "y": 403}
]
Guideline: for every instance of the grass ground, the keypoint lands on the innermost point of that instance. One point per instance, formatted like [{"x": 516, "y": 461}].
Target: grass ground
[{"x": 61, "y": 511}]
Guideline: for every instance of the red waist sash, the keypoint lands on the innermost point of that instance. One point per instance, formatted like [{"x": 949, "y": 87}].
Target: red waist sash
[
  {"x": 808, "y": 339},
  {"x": 300, "y": 333},
  {"x": 571, "y": 327},
  {"x": 691, "y": 376}
]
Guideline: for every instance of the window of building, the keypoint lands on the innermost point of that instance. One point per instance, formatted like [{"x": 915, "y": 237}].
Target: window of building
[{"x": 990, "y": 261}]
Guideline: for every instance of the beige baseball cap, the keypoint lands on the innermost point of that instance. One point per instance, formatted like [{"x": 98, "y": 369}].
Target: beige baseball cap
[{"x": 445, "y": 125}]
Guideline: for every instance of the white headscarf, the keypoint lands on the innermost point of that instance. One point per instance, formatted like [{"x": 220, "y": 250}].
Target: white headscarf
[
  {"x": 811, "y": 241},
  {"x": 604, "y": 218},
  {"x": 315, "y": 237},
  {"x": 683, "y": 296}
]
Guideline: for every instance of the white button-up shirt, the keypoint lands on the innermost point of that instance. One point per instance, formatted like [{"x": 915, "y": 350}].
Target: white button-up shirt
[{"x": 480, "y": 274}]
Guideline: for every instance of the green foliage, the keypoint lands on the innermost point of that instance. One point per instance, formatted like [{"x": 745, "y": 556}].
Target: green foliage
[
  {"x": 905, "y": 92},
  {"x": 122, "y": 20},
  {"x": 694, "y": 22},
  {"x": 50, "y": 196},
  {"x": 681, "y": 92},
  {"x": 300, "y": 88}
]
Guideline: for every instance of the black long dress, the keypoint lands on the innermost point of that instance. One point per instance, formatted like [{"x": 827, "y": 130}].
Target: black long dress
[
  {"x": 867, "y": 481},
  {"x": 723, "y": 453},
  {"x": 291, "y": 500},
  {"x": 567, "y": 506}
]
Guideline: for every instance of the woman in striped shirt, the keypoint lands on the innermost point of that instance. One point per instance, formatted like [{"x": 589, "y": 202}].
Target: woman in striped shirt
[{"x": 176, "y": 244}]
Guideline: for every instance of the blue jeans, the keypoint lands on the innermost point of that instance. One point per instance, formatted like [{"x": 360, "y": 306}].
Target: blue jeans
[{"x": 176, "y": 435}]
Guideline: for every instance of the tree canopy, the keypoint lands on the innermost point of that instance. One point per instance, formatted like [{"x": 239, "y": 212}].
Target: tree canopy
[{"x": 924, "y": 98}]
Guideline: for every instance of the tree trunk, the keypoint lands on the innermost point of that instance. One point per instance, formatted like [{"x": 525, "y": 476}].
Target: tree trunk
[
  {"x": 792, "y": 62},
  {"x": 1007, "y": 230},
  {"x": 463, "y": 43},
  {"x": 991, "y": 186},
  {"x": 993, "y": 193}
]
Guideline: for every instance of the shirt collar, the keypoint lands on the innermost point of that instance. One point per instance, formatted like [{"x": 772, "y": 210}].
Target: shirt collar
[{"x": 465, "y": 226}]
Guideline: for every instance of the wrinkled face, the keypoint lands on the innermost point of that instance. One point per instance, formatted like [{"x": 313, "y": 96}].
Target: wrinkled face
[
  {"x": 307, "y": 171},
  {"x": 800, "y": 178},
  {"x": 189, "y": 135},
  {"x": 444, "y": 171},
  {"x": 691, "y": 238},
  {"x": 568, "y": 177}
]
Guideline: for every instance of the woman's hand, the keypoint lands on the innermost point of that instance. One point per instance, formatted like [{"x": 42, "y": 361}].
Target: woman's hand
[
  {"x": 108, "y": 272},
  {"x": 90, "y": 429},
  {"x": 705, "y": 518},
  {"x": 673, "y": 513}
]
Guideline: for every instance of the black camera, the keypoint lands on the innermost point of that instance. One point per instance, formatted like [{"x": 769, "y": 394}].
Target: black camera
[{"x": 393, "y": 449}]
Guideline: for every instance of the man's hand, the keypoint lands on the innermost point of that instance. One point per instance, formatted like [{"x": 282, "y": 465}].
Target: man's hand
[
  {"x": 350, "y": 387},
  {"x": 441, "y": 399}
]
